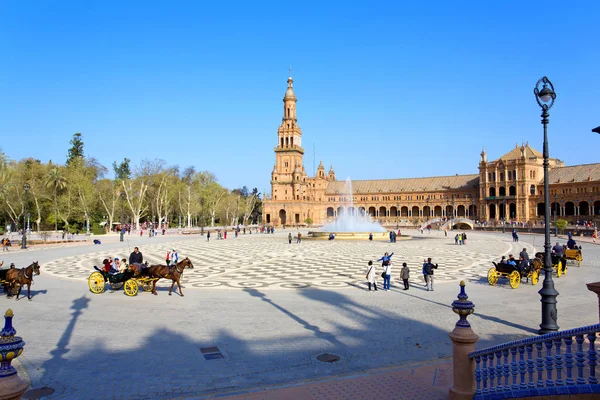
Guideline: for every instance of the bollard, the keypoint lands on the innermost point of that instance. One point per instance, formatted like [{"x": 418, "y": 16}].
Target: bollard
[
  {"x": 595, "y": 287},
  {"x": 463, "y": 342},
  {"x": 11, "y": 347}
]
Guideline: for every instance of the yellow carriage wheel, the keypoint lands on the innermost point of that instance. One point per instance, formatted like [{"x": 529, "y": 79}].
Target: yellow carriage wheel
[
  {"x": 535, "y": 277},
  {"x": 131, "y": 287},
  {"x": 514, "y": 279},
  {"x": 492, "y": 276},
  {"x": 559, "y": 271},
  {"x": 96, "y": 282},
  {"x": 147, "y": 285}
]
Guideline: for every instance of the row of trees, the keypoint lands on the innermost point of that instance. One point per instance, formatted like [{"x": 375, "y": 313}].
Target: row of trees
[{"x": 78, "y": 193}]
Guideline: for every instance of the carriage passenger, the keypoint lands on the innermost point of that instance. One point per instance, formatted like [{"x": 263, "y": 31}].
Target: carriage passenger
[
  {"x": 136, "y": 257},
  {"x": 116, "y": 266},
  {"x": 107, "y": 264},
  {"x": 571, "y": 244},
  {"x": 503, "y": 260},
  {"x": 511, "y": 260}
]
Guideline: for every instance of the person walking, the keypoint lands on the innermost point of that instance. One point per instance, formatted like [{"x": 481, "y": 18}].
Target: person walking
[
  {"x": 290, "y": 238},
  {"x": 404, "y": 275},
  {"x": 429, "y": 267},
  {"x": 4, "y": 244},
  {"x": 464, "y": 238},
  {"x": 371, "y": 276},
  {"x": 299, "y": 239},
  {"x": 208, "y": 236},
  {"x": 595, "y": 235},
  {"x": 387, "y": 275}
]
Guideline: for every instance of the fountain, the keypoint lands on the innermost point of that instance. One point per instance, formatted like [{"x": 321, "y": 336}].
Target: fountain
[{"x": 352, "y": 223}]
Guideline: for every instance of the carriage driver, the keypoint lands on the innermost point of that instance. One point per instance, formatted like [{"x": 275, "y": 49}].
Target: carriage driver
[{"x": 136, "y": 257}]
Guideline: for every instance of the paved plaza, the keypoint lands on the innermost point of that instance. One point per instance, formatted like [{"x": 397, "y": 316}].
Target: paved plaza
[{"x": 269, "y": 308}]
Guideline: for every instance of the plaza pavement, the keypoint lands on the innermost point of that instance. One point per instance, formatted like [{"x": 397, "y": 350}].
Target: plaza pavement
[{"x": 270, "y": 308}]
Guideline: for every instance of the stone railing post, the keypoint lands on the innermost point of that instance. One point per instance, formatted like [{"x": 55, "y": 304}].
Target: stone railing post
[
  {"x": 11, "y": 347},
  {"x": 463, "y": 342},
  {"x": 595, "y": 287}
]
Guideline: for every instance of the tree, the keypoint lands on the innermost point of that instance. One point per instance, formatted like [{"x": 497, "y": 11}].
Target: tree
[
  {"x": 57, "y": 182},
  {"x": 123, "y": 170},
  {"x": 561, "y": 224},
  {"x": 76, "y": 150}
]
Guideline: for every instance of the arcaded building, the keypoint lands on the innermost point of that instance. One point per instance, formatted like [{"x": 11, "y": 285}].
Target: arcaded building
[{"x": 507, "y": 189}]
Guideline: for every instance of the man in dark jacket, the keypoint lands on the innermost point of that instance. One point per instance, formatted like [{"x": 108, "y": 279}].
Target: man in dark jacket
[
  {"x": 428, "y": 268},
  {"x": 136, "y": 257}
]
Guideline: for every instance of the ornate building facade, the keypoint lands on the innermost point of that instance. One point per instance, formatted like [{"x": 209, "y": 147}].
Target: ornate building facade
[{"x": 507, "y": 189}]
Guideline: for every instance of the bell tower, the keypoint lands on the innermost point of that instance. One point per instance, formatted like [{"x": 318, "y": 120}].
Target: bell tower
[{"x": 289, "y": 169}]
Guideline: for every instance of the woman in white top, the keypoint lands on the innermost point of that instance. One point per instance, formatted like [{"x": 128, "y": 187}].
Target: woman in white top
[{"x": 371, "y": 275}]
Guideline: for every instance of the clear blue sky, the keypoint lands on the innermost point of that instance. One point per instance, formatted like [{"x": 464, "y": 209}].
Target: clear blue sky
[{"x": 385, "y": 90}]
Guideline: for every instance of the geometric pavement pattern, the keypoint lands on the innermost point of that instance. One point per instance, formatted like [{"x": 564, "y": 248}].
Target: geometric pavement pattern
[{"x": 269, "y": 261}]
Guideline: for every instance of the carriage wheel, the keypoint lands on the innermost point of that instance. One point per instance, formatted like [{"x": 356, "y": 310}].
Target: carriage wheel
[
  {"x": 514, "y": 279},
  {"x": 559, "y": 271},
  {"x": 535, "y": 277},
  {"x": 96, "y": 282},
  {"x": 147, "y": 286},
  {"x": 131, "y": 287},
  {"x": 492, "y": 276},
  {"x": 116, "y": 285}
]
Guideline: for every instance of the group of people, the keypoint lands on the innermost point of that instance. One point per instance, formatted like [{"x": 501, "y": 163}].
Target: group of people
[
  {"x": 460, "y": 238},
  {"x": 116, "y": 265},
  {"x": 298, "y": 238},
  {"x": 386, "y": 264}
]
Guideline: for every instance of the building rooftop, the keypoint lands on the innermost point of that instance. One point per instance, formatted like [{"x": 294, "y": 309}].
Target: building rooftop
[{"x": 387, "y": 186}]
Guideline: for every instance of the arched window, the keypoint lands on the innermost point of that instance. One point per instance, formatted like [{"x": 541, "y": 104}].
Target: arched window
[
  {"x": 287, "y": 142},
  {"x": 292, "y": 142},
  {"x": 281, "y": 142},
  {"x": 501, "y": 191},
  {"x": 492, "y": 192},
  {"x": 512, "y": 191},
  {"x": 532, "y": 190}
]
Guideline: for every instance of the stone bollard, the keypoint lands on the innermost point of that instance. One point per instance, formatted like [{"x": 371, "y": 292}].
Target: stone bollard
[
  {"x": 595, "y": 287},
  {"x": 463, "y": 342},
  {"x": 11, "y": 347}
]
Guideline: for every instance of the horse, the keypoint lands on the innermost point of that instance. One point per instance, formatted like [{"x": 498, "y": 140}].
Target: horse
[
  {"x": 174, "y": 273},
  {"x": 23, "y": 276}
]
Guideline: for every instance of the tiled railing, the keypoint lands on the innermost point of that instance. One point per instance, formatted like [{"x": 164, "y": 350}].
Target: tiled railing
[{"x": 520, "y": 368}]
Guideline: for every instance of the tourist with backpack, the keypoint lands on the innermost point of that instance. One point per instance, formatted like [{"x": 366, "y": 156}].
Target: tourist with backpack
[{"x": 428, "y": 268}]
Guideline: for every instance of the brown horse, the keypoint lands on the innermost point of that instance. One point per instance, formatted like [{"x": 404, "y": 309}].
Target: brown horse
[
  {"x": 23, "y": 276},
  {"x": 174, "y": 273}
]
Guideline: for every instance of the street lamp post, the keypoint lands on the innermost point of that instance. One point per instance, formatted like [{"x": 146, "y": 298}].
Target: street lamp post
[
  {"x": 122, "y": 233},
  {"x": 202, "y": 223},
  {"x": 545, "y": 97},
  {"x": 24, "y": 238}
]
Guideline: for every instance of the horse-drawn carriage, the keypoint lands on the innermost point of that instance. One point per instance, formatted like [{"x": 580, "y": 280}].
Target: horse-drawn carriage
[
  {"x": 558, "y": 264},
  {"x": 130, "y": 280},
  {"x": 14, "y": 279},
  {"x": 575, "y": 255},
  {"x": 514, "y": 274},
  {"x": 134, "y": 276}
]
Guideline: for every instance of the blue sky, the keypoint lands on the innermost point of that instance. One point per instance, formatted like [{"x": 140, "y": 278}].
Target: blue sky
[{"x": 385, "y": 89}]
